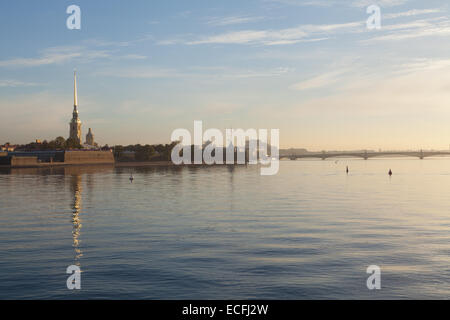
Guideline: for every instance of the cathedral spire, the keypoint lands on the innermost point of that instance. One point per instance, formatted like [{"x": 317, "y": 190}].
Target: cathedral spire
[
  {"x": 75, "y": 98},
  {"x": 75, "y": 123}
]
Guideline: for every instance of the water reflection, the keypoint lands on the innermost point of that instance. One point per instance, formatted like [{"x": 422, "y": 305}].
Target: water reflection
[
  {"x": 231, "y": 172},
  {"x": 76, "y": 190},
  {"x": 75, "y": 179}
]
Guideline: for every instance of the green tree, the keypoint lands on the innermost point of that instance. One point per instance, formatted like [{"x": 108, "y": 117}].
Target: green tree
[
  {"x": 60, "y": 142},
  {"x": 144, "y": 153},
  {"x": 72, "y": 144}
]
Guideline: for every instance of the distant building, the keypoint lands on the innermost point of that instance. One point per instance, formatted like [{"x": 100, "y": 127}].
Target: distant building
[
  {"x": 293, "y": 152},
  {"x": 75, "y": 123},
  {"x": 8, "y": 147},
  {"x": 90, "y": 138}
]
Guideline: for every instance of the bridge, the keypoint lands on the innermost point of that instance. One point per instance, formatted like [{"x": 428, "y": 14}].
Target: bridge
[{"x": 366, "y": 155}]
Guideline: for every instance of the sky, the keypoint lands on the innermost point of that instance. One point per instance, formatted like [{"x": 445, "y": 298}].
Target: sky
[{"x": 310, "y": 68}]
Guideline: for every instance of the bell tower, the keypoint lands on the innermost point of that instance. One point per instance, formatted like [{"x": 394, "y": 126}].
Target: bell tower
[
  {"x": 90, "y": 138},
  {"x": 75, "y": 123}
]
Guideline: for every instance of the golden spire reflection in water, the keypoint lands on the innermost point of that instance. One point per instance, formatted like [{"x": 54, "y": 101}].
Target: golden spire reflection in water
[{"x": 76, "y": 189}]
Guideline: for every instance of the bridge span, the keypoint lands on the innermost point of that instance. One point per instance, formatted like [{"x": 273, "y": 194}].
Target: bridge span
[{"x": 366, "y": 155}]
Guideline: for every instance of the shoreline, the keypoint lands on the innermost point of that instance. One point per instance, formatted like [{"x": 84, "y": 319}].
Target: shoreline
[{"x": 114, "y": 164}]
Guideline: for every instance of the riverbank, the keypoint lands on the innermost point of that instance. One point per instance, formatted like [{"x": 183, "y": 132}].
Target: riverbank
[
  {"x": 164, "y": 164},
  {"x": 114, "y": 164}
]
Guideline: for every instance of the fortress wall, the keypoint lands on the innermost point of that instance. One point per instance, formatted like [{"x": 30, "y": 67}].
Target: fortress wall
[
  {"x": 23, "y": 161},
  {"x": 4, "y": 159},
  {"x": 88, "y": 157}
]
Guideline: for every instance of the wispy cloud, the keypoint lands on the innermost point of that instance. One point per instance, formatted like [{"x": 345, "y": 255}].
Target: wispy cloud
[
  {"x": 320, "y": 81},
  {"x": 209, "y": 73},
  {"x": 411, "y": 13},
  {"x": 306, "y": 33},
  {"x": 382, "y": 3},
  {"x": 133, "y": 57},
  {"x": 65, "y": 54},
  {"x": 315, "y": 3},
  {"x": 16, "y": 83},
  {"x": 232, "y": 20},
  {"x": 140, "y": 73},
  {"x": 235, "y": 73},
  {"x": 107, "y": 43},
  {"x": 56, "y": 55},
  {"x": 424, "y": 64},
  {"x": 416, "y": 29},
  {"x": 303, "y": 33},
  {"x": 45, "y": 59},
  {"x": 330, "y": 3},
  {"x": 353, "y": 76}
]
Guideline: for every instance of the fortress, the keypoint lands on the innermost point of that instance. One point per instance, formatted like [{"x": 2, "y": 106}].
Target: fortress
[{"x": 90, "y": 154}]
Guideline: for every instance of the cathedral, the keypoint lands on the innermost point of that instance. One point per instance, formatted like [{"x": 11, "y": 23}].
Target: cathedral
[{"x": 75, "y": 123}]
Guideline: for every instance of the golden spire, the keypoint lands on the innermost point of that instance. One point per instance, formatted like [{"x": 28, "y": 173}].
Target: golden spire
[{"x": 75, "y": 99}]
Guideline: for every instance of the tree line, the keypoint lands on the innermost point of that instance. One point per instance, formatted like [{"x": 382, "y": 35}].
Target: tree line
[
  {"x": 58, "y": 143},
  {"x": 138, "y": 152}
]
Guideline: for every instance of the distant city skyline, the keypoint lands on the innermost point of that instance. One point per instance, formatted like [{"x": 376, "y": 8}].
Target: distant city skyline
[{"x": 309, "y": 68}]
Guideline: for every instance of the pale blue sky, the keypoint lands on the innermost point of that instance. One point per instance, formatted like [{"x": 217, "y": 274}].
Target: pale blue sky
[{"x": 310, "y": 68}]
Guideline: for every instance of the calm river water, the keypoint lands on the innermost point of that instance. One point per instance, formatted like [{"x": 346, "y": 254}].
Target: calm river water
[{"x": 309, "y": 232}]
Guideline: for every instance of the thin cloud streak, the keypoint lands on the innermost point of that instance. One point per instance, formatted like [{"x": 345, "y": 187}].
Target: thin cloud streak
[
  {"x": 193, "y": 72},
  {"x": 64, "y": 54},
  {"x": 303, "y": 33},
  {"x": 330, "y": 3},
  {"x": 320, "y": 81},
  {"x": 436, "y": 27},
  {"x": 232, "y": 20},
  {"x": 16, "y": 83},
  {"x": 411, "y": 13}
]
